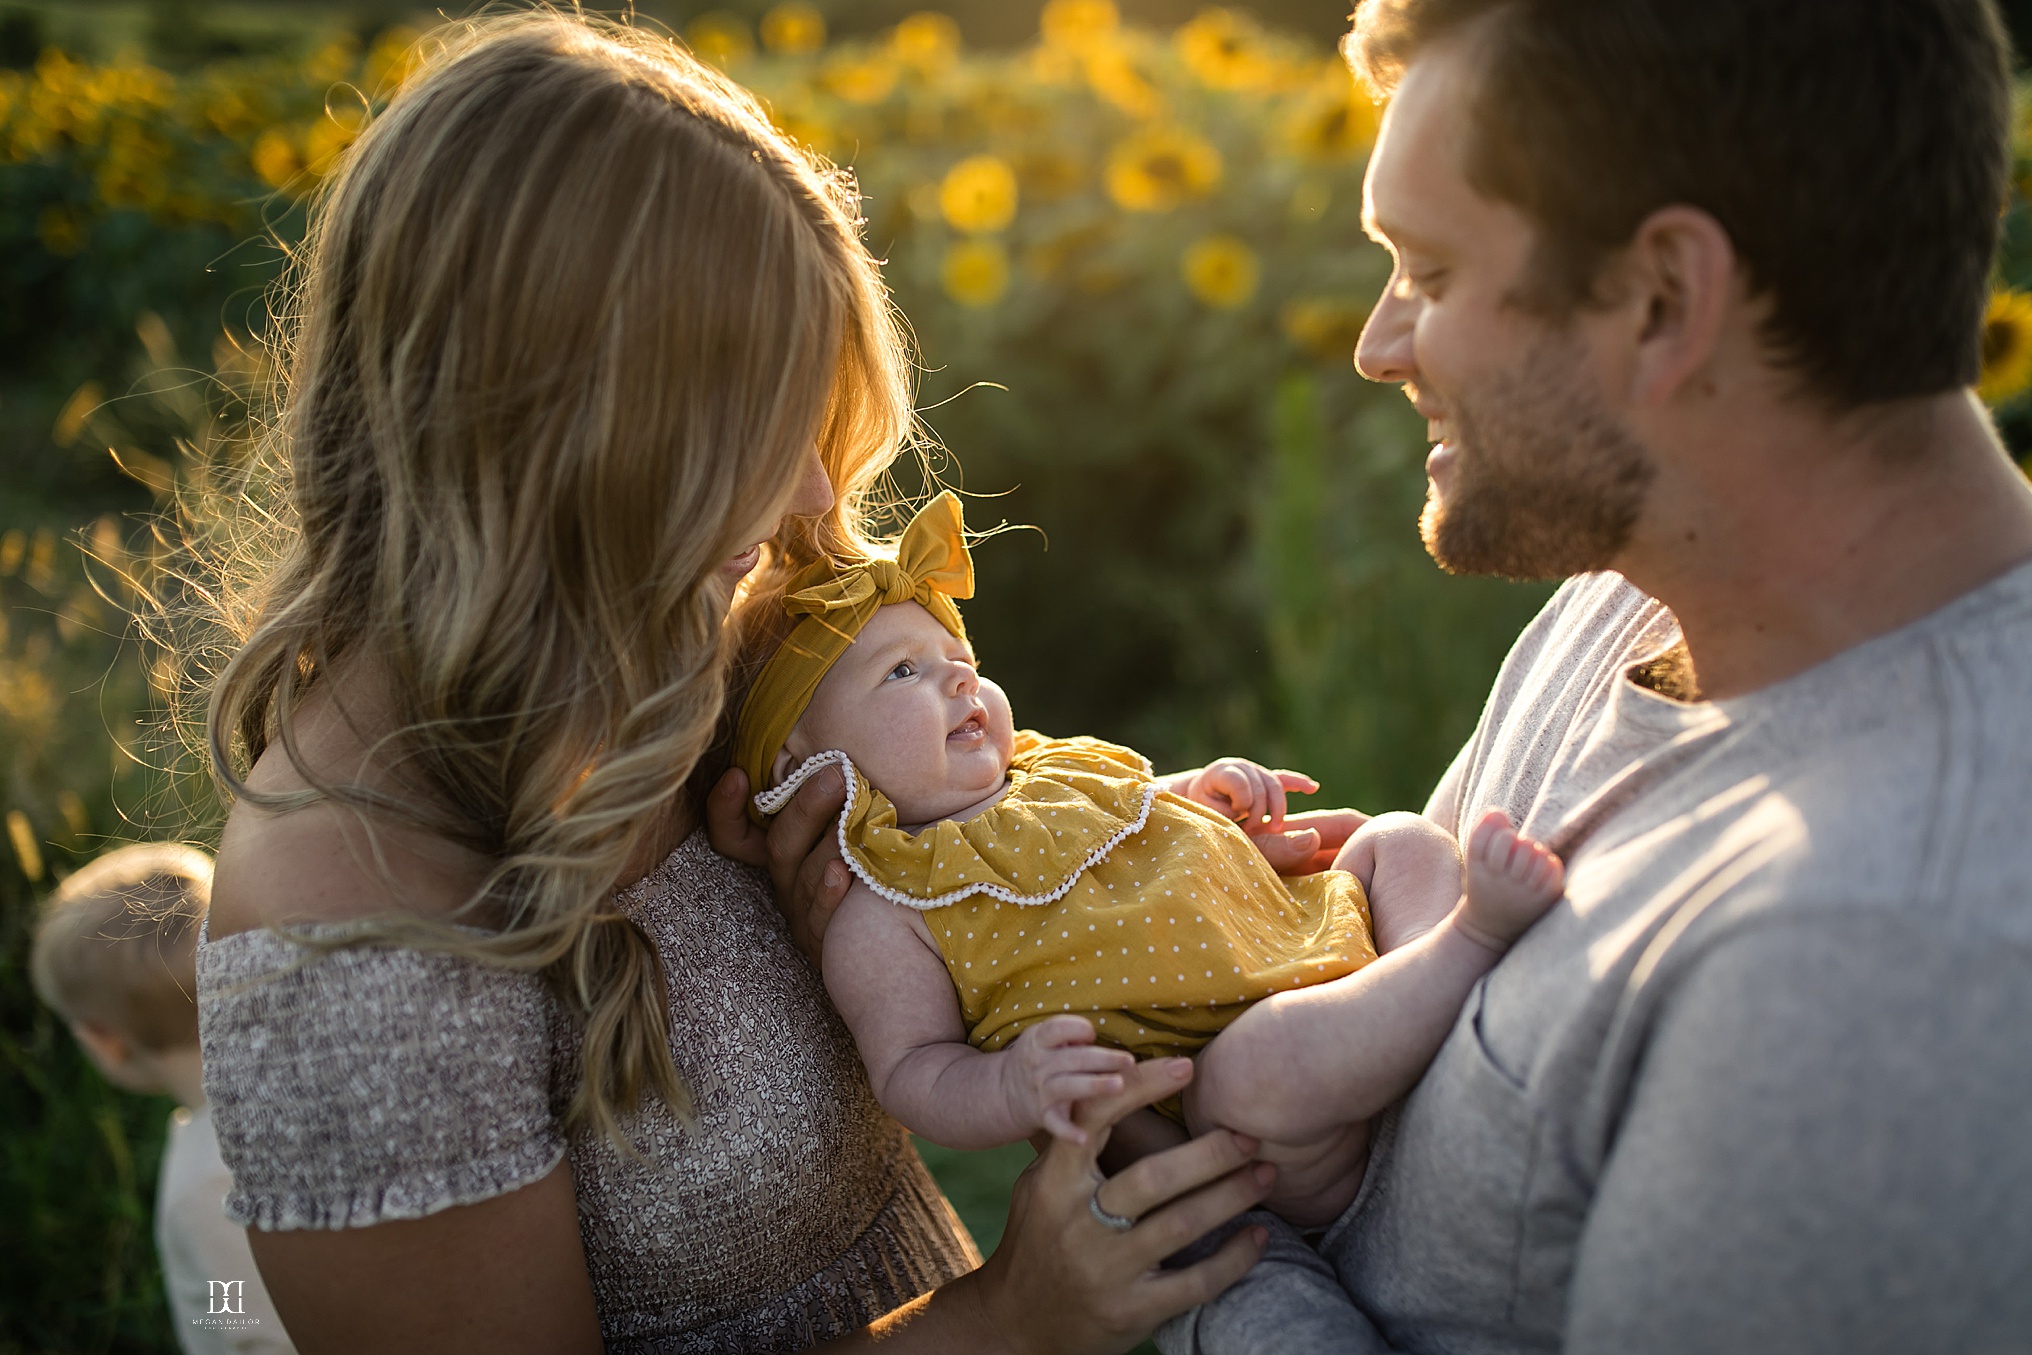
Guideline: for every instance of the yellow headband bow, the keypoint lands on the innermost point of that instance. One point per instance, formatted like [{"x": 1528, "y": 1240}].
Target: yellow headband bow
[{"x": 931, "y": 568}]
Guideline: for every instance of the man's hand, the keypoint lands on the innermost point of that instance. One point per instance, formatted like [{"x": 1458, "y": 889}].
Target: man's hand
[
  {"x": 798, "y": 849},
  {"x": 1055, "y": 1063},
  {"x": 1310, "y": 841}
]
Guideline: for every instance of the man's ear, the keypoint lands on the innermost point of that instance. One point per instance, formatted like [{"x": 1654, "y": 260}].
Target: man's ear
[{"x": 1681, "y": 268}]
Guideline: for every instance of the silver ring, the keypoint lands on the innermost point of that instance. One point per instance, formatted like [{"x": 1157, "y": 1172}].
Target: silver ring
[{"x": 1114, "y": 1221}]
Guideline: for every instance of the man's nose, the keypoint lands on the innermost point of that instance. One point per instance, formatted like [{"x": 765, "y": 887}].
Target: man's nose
[{"x": 1384, "y": 352}]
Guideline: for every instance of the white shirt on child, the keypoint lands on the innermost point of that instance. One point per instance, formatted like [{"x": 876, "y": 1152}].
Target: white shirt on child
[{"x": 202, "y": 1253}]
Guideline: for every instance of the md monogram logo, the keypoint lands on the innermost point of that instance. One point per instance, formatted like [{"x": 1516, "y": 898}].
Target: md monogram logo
[{"x": 228, "y": 1296}]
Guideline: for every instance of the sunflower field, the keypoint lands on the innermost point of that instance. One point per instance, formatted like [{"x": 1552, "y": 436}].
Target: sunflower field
[{"x": 1133, "y": 264}]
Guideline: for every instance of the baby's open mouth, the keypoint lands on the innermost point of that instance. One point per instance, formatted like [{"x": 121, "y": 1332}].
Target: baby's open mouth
[{"x": 971, "y": 728}]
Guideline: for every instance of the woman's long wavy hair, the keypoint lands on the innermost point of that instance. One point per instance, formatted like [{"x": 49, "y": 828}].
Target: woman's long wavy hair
[{"x": 571, "y": 316}]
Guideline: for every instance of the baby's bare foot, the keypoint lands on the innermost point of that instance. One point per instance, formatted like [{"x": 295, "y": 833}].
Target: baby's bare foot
[{"x": 1512, "y": 879}]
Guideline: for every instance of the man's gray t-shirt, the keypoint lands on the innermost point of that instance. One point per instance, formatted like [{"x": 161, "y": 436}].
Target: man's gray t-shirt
[{"x": 1763, "y": 1079}]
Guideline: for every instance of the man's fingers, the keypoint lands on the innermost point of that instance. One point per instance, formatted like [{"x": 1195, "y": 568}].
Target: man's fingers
[
  {"x": 1290, "y": 851},
  {"x": 1334, "y": 826},
  {"x": 733, "y": 834}
]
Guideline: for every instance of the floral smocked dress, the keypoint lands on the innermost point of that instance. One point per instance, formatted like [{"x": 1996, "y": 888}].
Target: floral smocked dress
[{"x": 1087, "y": 889}]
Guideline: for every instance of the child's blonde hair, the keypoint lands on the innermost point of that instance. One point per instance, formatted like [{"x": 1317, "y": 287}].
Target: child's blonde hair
[
  {"x": 570, "y": 318},
  {"x": 116, "y": 944}
]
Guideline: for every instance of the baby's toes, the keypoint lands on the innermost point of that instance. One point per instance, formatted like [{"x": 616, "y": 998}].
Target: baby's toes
[
  {"x": 1490, "y": 845},
  {"x": 1547, "y": 871}
]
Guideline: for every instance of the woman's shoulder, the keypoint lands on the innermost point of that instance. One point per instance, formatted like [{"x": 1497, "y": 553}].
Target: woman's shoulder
[
  {"x": 365, "y": 1083},
  {"x": 326, "y": 861}
]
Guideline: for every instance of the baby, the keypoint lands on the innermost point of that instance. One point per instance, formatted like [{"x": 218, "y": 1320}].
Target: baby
[{"x": 1029, "y": 915}]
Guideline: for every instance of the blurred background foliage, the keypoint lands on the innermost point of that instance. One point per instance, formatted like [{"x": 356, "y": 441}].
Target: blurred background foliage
[{"x": 1128, "y": 242}]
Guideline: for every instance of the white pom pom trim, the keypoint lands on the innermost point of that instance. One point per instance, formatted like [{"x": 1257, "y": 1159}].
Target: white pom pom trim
[{"x": 773, "y": 800}]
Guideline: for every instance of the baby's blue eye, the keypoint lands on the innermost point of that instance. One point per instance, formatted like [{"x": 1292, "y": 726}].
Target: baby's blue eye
[{"x": 903, "y": 670}]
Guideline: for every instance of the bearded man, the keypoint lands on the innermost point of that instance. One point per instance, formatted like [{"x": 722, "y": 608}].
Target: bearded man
[{"x": 1691, "y": 295}]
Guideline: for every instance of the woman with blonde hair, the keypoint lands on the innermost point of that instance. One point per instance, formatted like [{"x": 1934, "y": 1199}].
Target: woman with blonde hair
[{"x": 503, "y": 1056}]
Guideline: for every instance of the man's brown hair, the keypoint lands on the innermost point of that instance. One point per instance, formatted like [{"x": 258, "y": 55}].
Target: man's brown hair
[
  {"x": 1856, "y": 151},
  {"x": 116, "y": 946}
]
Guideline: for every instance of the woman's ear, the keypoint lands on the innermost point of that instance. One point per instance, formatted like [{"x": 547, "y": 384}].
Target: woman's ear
[{"x": 1682, "y": 267}]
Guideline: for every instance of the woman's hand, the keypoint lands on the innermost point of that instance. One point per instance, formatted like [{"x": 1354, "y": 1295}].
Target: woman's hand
[
  {"x": 798, "y": 849},
  {"x": 1063, "y": 1281}
]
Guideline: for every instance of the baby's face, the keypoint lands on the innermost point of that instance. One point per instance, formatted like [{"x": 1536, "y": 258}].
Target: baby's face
[{"x": 906, "y": 704}]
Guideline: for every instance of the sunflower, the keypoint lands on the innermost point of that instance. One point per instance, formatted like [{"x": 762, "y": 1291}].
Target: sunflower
[
  {"x": 1222, "y": 271},
  {"x": 793, "y": 29},
  {"x": 2007, "y": 347},
  {"x": 1336, "y": 120},
  {"x": 927, "y": 43},
  {"x": 860, "y": 80},
  {"x": 1113, "y": 75},
  {"x": 1157, "y": 168},
  {"x": 1326, "y": 327},
  {"x": 274, "y": 157},
  {"x": 720, "y": 38},
  {"x": 329, "y": 136},
  {"x": 978, "y": 194},
  {"x": 1224, "y": 50},
  {"x": 975, "y": 272},
  {"x": 1078, "y": 25},
  {"x": 396, "y": 57},
  {"x": 27, "y": 851}
]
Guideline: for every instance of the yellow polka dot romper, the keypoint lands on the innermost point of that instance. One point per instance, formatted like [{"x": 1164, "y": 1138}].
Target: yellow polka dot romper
[{"x": 1087, "y": 890}]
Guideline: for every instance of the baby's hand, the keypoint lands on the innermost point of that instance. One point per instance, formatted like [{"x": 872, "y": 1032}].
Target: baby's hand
[
  {"x": 1053, "y": 1064},
  {"x": 1245, "y": 791}
]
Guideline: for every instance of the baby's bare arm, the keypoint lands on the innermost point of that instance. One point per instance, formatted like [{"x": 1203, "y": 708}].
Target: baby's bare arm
[{"x": 888, "y": 981}]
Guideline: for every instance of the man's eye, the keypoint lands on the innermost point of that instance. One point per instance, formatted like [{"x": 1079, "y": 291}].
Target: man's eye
[
  {"x": 1421, "y": 282},
  {"x": 904, "y": 670}
]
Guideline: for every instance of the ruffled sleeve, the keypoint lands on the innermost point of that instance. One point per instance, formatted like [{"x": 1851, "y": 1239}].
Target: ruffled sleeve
[{"x": 372, "y": 1084}]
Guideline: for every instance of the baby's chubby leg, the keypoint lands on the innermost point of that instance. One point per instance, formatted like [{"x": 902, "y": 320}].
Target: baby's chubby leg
[{"x": 1304, "y": 1070}]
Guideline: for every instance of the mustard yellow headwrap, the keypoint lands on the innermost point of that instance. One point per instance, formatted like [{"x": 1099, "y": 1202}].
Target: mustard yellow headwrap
[{"x": 931, "y": 568}]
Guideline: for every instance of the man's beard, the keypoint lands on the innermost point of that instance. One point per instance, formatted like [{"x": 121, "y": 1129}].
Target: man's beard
[{"x": 1544, "y": 482}]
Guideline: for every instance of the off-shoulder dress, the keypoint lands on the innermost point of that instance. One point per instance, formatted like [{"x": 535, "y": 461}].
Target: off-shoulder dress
[{"x": 376, "y": 1084}]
